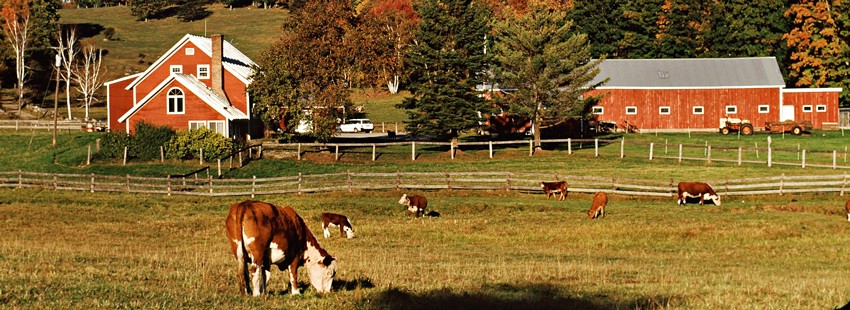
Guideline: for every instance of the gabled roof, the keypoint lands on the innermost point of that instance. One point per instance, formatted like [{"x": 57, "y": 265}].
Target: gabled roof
[
  {"x": 192, "y": 84},
  {"x": 233, "y": 60},
  {"x": 683, "y": 73}
]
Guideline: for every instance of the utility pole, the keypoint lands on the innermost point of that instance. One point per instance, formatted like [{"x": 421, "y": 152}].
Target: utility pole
[{"x": 56, "y": 100}]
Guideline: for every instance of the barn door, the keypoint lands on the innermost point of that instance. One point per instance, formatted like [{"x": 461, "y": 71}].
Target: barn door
[{"x": 786, "y": 112}]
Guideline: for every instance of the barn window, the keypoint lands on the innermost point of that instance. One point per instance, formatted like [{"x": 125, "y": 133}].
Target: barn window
[
  {"x": 197, "y": 124},
  {"x": 190, "y": 51},
  {"x": 175, "y": 101},
  {"x": 699, "y": 110},
  {"x": 217, "y": 126},
  {"x": 598, "y": 110},
  {"x": 203, "y": 72},
  {"x": 763, "y": 108},
  {"x": 664, "y": 110},
  {"x": 731, "y": 109},
  {"x": 807, "y": 108},
  {"x": 176, "y": 69},
  {"x": 631, "y": 110},
  {"x": 821, "y": 108}
]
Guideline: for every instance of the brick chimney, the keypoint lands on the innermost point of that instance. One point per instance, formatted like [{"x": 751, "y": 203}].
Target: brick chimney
[{"x": 216, "y": 69}]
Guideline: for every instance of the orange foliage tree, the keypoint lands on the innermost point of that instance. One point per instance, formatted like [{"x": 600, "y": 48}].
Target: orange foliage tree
[{"x": 16, "y": 28}]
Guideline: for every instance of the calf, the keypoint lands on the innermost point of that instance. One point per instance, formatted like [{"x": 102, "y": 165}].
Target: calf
[
  {"x": 416, "y": 204},
  {"x": 847, "y": 207},
  {"x": 597, "y": 209},
  {"x": 337, "y": 220},
  {"x": 696, "y": 190},
  {"x": 262, "y": 234},
  {"x": 552, "y": 187}
]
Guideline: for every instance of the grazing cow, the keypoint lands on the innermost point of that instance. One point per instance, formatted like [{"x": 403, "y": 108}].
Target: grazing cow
[
  {"x": 847, "y": 207},
  {"x": 262, "y": 234},
  {"x": 416, "y": 204},
  {"x": 597, "y": 209},
  {"x": 337, "y": 220},
  {"x": 696, "y": 190},
  {"x": 552, "y": 187}
]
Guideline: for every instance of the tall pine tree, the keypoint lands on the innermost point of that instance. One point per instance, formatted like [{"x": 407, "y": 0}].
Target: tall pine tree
[{"x": 448, "y": 60}]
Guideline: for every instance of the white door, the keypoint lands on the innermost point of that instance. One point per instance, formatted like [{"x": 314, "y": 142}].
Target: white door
[{"x": 786, "y": 112}]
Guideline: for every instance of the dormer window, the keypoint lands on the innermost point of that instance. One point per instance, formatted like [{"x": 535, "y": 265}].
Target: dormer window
[
  {"x": 203, "y": 72},
  {"x": 176, "y": 69},
  {"x": 190, "y": 51}
]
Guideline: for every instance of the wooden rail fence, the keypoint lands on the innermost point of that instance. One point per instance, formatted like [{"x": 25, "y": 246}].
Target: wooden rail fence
[
  {"x": 48, "y": 125},
  {"x": 193, "y": 184}
]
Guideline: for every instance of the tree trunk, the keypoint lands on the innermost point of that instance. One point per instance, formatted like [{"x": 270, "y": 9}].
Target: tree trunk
[{"x": 535, "y": 127}]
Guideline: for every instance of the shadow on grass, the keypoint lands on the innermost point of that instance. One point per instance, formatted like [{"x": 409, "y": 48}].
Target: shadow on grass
[{"x": 503, "y": 296}]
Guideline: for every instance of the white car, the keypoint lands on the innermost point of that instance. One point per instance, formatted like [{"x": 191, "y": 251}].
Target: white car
[{"x": 357, "y": 125}]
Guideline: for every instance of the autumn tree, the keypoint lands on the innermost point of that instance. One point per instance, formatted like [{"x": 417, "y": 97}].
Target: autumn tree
[
  {"x": 382, "y": 40},
  {"x": 305, "y": 70},
  {"x": 547, "y": 63},
  {"x": 17, "y": 30},
  {"x": 818, "y": 44},
  {"x": 447, "y": 62}
]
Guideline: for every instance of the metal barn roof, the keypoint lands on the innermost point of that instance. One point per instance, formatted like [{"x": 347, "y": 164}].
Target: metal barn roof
[{"x": 683, "y": 73}]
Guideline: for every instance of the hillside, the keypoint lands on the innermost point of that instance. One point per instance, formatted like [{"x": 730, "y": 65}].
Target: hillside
[{"x": 249, "y": 29}]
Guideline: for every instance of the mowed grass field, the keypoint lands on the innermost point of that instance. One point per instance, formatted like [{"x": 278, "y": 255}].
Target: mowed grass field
[{"x": 488, "y": 250}]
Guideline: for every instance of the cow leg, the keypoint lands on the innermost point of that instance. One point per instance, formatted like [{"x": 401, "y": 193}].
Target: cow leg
[
  {"x": 602, "y": 212},
  {"x": 293, "y": 277},
  {"x": 563, "y": 195},
  {"x": 342, "y": 230},
  {"x": 327, "y": 233},
  {"x": 257, "y": 282}
]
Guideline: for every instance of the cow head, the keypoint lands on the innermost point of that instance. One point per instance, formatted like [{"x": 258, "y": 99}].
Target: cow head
[
  {"x": 404, "y": 200},
  {"x": 322, "y": 274},
  {"x": 349, "y": 230},
  {"x": 714, "y": 198}
]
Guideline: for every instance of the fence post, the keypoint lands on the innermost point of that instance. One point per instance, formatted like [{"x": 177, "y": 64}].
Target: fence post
[
  {"x": 490, "y": 145},
  {"x": 843, "y": 183},
  {"x": 209, "y": 179},
  {"x": 834, "y": 159},
  {"x": 680, "y": 152},
  {"x": 613, "y": 184},
  {"x": 16, "y": 126},
  {"x": 397, "y": 180},
  {"x": 508, "y": 182},
  {"x": 803, "y": 164},
  {"x": 161, "y": 153},
  {"x": 299, "y": 151},
  {"x": 336, "y": 152},
  {"x": 769, "y": 156},
  {"x": 219, "y": 166},
  {"x": 97, "y": 146},
  {"x": 88, "y": 156},
  {"x": 665, "y": 145},
  {"x": 448, "y": 181},
  {"x": 127, "y": 180},
  {"x": 708, "y": 154},
  {"x": 623, "y": 147},
  {"x": 651, "y": 147},
  {"x": 20, "y": 178},
  {"x": 348, "y": 172},
  {"x": 240, "y": 159},
  {"x": 569, "y": 146},
  {"x": 382, "y": 127},
  {"x": 531, "y": 147},
  {"x": 396, "y": 127},
  {"x": 727, "y": 185},
  {"x": 452, "y": 148},
  {"x": 125, "y": 156},
  {"x": 253, "y": 185},
  {"x": 230, "y": 162},
  {"x": 596, "y": 147},
  {"x": 201, "y": 151},
  {"x": 781, "y": 184},
  {"x": 91, "y": 188},
  {"x": 168, "y": 185},
  {"x": 373, "y": 151},
  {"x": 299, "y": 183},
  {"x": 740, "y": 150},
  {"x": 55, "y": 182},
  {"x": 413, "y": 150},
  {"x": 757, "y": 150}
]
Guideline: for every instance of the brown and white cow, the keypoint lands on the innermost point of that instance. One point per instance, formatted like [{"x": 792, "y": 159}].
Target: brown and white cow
[
  {"x": 337, "y": 220},
  {"x": 597, "y": 209},
  {"x": 416, "y": 204},
  {"x": 262, "y": 234},
  {"x": 847, "y": 207},
  {"x": 696, "y": 190},
  {"x": 552, "y": 187}
]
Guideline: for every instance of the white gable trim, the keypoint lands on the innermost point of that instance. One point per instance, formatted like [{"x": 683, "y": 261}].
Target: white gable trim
[
  {"x": 230, "y": 113},
  {"x": 146, "y": 99},
  {"x": 123, "y": 79},
  {"x": 812, "y": 90}
]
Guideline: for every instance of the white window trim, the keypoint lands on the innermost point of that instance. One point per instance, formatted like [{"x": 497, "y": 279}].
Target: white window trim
[
  {"x": 598, "y": 110},
  {"x": 208, "y": 125},
  {"x": 168, "y": 98},
  {"x": 701, "y": 112},
  {"x": 198, "y": 72},
  {"x": 178, "y": 67},
  {"x": 190, "y": 51},
  {"x": 631, "y": 113},
  {"x": 199, "y": 123},
  {"x": 820, "y": 108},
  {"x": 734, "y": 107},
  {"x": 767, "y": 108},
  {"x": 662, "y": 112},
  {"x": 807, "y": 107}
]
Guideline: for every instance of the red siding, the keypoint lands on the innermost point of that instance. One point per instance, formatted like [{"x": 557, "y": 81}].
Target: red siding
[
  {"x": 814, "y": 98},
  {"x": 119, "y": 102},
  {"x": 156, "y": 110},
  {"x": 681, "y": 103}
]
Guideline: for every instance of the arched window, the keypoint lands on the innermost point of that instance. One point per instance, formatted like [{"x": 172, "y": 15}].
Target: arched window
[{"x": 175, "y": 101}]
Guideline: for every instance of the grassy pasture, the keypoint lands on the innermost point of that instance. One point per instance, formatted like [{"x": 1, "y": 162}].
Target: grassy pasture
[{"x": 488, "y": 250}]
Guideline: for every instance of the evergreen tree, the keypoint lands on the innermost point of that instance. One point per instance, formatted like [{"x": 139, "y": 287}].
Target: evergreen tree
[
  {"x": 146, "y": 9},
  {"x": 448, "y": 61},
  {"x": 618, "y": 28},
  {"x": 548, "y": 64},
  {"x": 747, "y": 29}
]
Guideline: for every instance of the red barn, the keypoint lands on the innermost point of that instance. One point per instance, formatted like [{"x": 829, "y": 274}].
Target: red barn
[
  {"x": 199, "y": 82},
  {"x": 678, "y": 94}
]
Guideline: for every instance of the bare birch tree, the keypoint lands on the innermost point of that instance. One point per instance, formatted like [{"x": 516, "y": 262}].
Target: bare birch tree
[
  {"x": 16, "y": 28},
  {"x": 68, "y": 51},
  {"x": 89, "y": 74}
]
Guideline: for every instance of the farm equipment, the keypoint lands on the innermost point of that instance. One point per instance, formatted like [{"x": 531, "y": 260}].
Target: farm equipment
[
  {"x": 729, "y": 125},
  {"x": 794, "y": 127}
]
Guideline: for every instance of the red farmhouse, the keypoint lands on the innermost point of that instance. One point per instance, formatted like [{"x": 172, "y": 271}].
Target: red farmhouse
[
  {"x": 199, "y": 82},
  {"x": 678, "y": 94}
]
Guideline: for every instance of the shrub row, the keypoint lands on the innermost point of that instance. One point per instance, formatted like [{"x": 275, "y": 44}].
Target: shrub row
[{"x": 145, "y": 142}]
